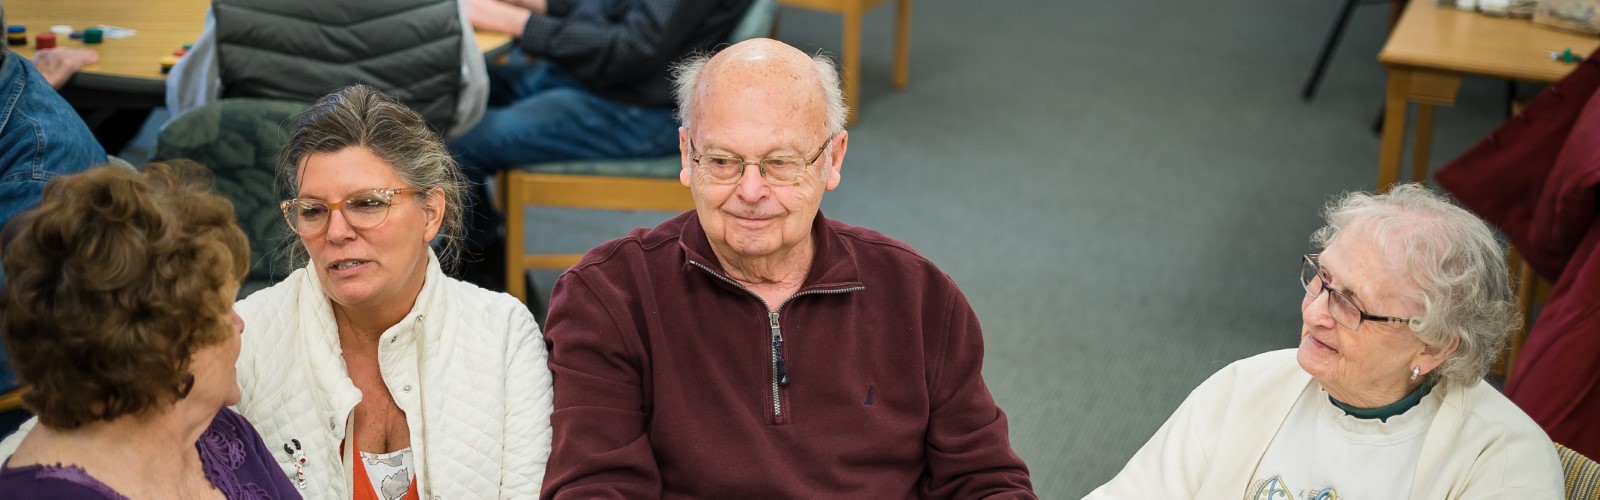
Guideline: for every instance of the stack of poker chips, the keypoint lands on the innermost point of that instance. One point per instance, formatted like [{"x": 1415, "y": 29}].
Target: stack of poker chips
[
  {"x": 16, "y": 35},
  {"x": 169, "y": 61},
  {"x": 45, "y": 41},
  {"x": 93, "y": 35}
]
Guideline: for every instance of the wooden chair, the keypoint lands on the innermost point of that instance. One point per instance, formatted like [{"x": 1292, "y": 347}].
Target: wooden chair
[
  {"x": 648, "y": 184},
  {"x": 1532, "y": 290},
  {"x": 1582, "y": 474},
  {"x": 12, "y": 400},
  {"x": 853, "y": 11}
]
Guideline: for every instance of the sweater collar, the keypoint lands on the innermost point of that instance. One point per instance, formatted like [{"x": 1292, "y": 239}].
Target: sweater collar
[
  {"x": 1384, "y": 412},
  {"x": 832, "y": 266}
]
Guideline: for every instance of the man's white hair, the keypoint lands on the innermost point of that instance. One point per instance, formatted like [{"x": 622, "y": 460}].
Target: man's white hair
[{"x": 686, "y": 78}]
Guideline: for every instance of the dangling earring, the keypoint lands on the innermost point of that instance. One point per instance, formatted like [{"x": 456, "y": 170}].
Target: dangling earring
[
  {"x": 185, "y": 385},
  {"x": 1415, "y": 371}
]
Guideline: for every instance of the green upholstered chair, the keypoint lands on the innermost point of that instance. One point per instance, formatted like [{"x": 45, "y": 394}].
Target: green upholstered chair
[
  {"x": 241, "y": 141},
  {"x": 1583, "y": 474},
  {"x": 627, "y": 184}
]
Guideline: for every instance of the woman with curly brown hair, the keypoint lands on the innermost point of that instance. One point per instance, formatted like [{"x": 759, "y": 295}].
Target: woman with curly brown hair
[{"x": 120, "y": 319}]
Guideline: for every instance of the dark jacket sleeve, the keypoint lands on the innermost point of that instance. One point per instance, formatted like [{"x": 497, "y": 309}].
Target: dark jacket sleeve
[
  {"x": 600, "y": 447},
  {"x": 608, "y": 42},
  {"x": 968, "y": 446},
  {"x": 560, "y": 8}
]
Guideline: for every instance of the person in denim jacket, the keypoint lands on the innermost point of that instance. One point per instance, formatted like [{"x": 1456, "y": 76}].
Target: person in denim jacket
[{"x": 41, "y": 137}]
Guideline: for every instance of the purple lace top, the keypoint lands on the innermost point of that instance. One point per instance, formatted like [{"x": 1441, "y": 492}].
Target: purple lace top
[{"x": 234, "y": 458}]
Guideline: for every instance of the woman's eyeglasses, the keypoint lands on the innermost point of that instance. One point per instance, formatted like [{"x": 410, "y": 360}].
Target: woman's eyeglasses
[{"x": 364, "y": 210}]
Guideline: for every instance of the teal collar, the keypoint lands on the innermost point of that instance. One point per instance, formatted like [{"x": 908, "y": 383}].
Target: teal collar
[{"x": 1384, "y": 412}]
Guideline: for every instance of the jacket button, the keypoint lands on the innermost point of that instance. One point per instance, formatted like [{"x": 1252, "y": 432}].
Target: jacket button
[
  {"x": 331, "y": 425},
  {"x": 408, "y": 388}
]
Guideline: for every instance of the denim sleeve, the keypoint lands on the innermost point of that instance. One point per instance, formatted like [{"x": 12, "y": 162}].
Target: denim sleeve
[{"x": 41, "y": 137}]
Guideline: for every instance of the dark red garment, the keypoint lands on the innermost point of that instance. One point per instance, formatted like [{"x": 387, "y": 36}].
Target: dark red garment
[
  {"x": 664, "y": 375},
  {"x": 1535, "y": 177}
]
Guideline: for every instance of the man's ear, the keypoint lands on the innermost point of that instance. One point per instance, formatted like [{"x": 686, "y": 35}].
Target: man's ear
[
  {"x": 685, "y": 158},
  {"x": 831, "y": 170}
]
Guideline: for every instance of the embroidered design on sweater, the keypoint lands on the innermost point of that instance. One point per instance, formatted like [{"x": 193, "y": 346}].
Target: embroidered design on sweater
[{"x": 1273, "y": 488}]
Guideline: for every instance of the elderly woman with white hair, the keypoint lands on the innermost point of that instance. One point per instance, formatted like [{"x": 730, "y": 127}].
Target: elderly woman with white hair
[{"x": 1403, "y": 312}]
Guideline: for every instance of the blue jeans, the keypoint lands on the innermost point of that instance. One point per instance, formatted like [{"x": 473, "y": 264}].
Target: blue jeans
[
  {"x": 40, "y": 137},
  {"x": 539, "y": 114}
]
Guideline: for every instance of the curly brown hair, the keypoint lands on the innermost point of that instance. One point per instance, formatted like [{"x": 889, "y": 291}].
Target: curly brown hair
[{"x": 116, "y": 278}]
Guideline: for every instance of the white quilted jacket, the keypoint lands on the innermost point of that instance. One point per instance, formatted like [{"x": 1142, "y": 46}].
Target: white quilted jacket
[{"x": 466, "y": 365}]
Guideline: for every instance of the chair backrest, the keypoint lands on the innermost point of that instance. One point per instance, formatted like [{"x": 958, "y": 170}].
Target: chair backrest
[
  {"x": 241, "y": 141},
  {"x": 757, "y": 21},
  {"x": 1583, "y": 474}
]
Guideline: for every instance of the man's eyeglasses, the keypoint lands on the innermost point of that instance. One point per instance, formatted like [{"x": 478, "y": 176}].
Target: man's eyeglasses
[
  {"x": 1343, "y": 309},
  {"x": 364, "y": 210},
  {"x": 777, "y": 170}
]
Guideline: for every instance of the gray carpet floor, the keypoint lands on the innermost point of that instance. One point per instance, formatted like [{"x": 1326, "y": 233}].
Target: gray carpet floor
[{"x": 1122, "y": 189}]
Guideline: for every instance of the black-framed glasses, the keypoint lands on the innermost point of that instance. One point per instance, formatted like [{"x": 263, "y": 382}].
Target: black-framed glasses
[
  {"x": 1344, "y": 310},
  {"x": 363, "y": 210},
  {"x": 777, "y": 170}
]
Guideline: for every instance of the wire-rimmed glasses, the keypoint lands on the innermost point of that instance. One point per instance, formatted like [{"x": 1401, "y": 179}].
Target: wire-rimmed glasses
[
  {"x": 777, "y": 170},
  {"x": 1344, "y": 310}
]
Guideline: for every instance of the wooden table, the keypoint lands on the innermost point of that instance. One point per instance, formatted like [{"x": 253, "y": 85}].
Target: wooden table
[
  {"x": 1432, "y": 48},
  {"x": 129, "y": 71}
]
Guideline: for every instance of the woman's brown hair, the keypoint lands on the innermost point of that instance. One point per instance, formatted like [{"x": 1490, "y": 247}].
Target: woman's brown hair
[{"x": 116, "y": 278}]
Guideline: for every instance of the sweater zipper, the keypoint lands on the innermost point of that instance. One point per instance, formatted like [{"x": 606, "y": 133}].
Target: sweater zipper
[
  {"x": 780, "y": 373},
  {"x": 780, "y": 370}
]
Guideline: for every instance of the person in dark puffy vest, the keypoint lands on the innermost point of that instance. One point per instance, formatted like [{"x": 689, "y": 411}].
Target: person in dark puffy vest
[{"x": 421, "y": 52}]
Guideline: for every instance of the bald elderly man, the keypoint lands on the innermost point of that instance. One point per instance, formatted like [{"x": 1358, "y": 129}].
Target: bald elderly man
[{"x": 752, "y": 348}]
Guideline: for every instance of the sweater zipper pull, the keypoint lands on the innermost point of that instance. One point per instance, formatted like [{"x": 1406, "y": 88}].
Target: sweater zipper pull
[{"x": 780, "y": 368}]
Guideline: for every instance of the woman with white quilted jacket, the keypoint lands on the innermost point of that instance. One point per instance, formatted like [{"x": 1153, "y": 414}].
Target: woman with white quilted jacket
[{"x": 369, "y": 372}]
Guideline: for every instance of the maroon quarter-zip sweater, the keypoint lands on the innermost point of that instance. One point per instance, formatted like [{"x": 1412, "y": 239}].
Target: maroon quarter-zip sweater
[{"x": 671, "y": 380}]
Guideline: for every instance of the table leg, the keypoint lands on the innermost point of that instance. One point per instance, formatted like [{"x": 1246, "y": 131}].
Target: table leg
[
  {"x": 1527, "y": 293},
  {"x": 852, "y": 60},
  {"x": 902, "y": 44},
  {"x": 1394, "y": 129},
  {"x": 1419, "y": 152}
]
